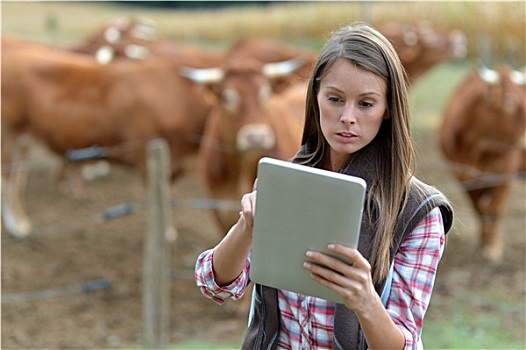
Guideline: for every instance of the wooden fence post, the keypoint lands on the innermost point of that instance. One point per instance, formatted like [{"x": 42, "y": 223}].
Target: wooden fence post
[{"x": 157, "y": 248}]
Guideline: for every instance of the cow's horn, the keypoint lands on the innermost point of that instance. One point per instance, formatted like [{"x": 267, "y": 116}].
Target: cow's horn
[
  {"x": 489, "y": 76},
  {"x": 517, "y": 77},
  {"x": 144, "y": 31},
  {"x": 104, "y": 54},
  {"x": 202, "y": 75},
  {"x": 284, "y": 68},
  {"x": 112, "y": 35}
]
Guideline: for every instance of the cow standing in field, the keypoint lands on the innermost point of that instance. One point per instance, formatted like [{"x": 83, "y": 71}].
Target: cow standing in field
[
  {"x": 247, "y": 123},
  {"x": 482, "y": 137},
  {"x": 421, "y": 46},
  {"x": 118, "y": 39},
  {"x": 68, "y": 101}
]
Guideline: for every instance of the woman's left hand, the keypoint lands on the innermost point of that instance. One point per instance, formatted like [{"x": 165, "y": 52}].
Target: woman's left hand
[{"x": 352, "y": 282}]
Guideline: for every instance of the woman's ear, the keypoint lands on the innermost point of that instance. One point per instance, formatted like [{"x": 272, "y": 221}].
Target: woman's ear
[{"x": 387, "y": 115}]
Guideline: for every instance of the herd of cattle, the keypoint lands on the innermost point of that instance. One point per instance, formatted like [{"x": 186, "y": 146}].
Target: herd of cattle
[{"x": 124, "y": 86}]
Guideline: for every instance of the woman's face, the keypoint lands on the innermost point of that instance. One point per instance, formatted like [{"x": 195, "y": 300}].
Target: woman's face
[{"x": 352, "y": 105}]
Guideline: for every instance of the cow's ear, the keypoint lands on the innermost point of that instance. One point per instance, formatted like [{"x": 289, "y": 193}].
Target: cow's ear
[
  {"x": 282, "y": 83},
  {"x": 211, "y": 93}
]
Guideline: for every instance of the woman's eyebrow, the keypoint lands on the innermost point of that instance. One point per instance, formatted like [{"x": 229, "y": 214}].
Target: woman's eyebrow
[
  {"x": 366, "y": 93},
  {"x": 332, "y": 87}
]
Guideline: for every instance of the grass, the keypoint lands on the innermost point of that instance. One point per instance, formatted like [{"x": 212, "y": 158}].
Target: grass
[
  {"x": 195, "y": 344},
  {"x": 459, "y": 330}
]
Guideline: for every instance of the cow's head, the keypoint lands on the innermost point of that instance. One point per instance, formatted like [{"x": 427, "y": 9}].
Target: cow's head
[
  {"x": 420, "y": 46},
  {"x": 505, "y": 93},
  {"x": 242, "y": 90},
  {"x": 128, "y": 38},
  {"x": 132, "y": 30},
  {"x": 422, "y": 41}
]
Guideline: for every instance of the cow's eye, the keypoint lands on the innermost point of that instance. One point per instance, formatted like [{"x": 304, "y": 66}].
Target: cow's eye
[
  {"x": 230, "y": 99},
  {"x": 265, "y": 93}
]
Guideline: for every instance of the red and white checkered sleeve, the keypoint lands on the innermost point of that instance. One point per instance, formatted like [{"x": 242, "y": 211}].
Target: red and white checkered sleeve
[
  {"x": 414, "y": 275},
  {"x": 205, "y": 280}
]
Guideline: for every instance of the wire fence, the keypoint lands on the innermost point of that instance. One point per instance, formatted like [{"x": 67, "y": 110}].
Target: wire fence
[{"x": 479, "y": 180}]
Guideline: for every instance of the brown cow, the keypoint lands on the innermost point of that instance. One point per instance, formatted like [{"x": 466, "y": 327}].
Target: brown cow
[
  {"x": 123, "y": 37},
  {"x": 86, "y": 172},
  {"x": 68, "y": 101},
  {"x": 131, "y": 38},
  {"x": 481, "y": 134},
  {"x": 247, "y": 123},
  {"x": 421, "y": 47},
  {"x": 112, "y": 42}
]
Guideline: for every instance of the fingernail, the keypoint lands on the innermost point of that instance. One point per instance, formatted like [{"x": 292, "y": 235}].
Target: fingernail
[
  {"x": 331, "y": 246},
  {"x": 309, "y": 253}
]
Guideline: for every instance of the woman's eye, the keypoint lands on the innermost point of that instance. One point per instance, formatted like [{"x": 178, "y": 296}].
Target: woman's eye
[
  {"x": 366, "y": 104},
  {"x": 333, "y": 99}
]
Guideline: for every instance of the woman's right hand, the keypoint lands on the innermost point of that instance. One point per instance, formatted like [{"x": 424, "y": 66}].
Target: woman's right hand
[
  {"x": 248, "y": 209},
  {"x": 231, "y": 253}
]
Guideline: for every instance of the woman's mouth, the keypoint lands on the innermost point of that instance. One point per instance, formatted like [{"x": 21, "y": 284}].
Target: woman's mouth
[{"x": 345, "y": 135}]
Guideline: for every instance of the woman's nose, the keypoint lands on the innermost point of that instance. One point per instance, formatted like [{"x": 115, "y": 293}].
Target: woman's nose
[{"x": 348, "y": 116}]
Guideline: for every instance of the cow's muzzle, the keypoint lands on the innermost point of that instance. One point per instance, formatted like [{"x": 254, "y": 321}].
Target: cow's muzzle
[{"x": 255, "y": 137}]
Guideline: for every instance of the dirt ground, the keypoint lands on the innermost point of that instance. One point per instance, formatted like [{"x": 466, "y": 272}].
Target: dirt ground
[{"x": 72, "y": 247}]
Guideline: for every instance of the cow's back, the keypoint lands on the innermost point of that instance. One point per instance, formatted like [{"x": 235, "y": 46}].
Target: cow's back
[
  {"x": 459, "y": 115},
  {"x": 71, "y": 101}
]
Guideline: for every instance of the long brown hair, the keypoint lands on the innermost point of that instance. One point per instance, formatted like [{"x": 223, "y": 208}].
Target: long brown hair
[{"x": 393, "y": 159}]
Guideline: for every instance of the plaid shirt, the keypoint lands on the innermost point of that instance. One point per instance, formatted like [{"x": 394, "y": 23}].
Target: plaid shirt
[{"x": 307, "y": 322}]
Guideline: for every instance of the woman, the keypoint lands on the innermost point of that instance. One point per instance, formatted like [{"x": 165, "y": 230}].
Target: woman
[{"x": 357, "y": 123}]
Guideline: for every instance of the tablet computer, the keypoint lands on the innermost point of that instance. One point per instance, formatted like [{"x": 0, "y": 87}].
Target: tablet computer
[{"x": 300, "y": 208}]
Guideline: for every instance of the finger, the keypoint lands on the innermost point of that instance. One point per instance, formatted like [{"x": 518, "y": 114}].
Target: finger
[
  {"x": 331, "y": 279},
  {"x": 350, "y": 254},
  {"x": 323, "y": 271},
  {"x": 336, "y": 286},
  {"x": 333, "y": 263},
  {"x": 248, "y": 205}
]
